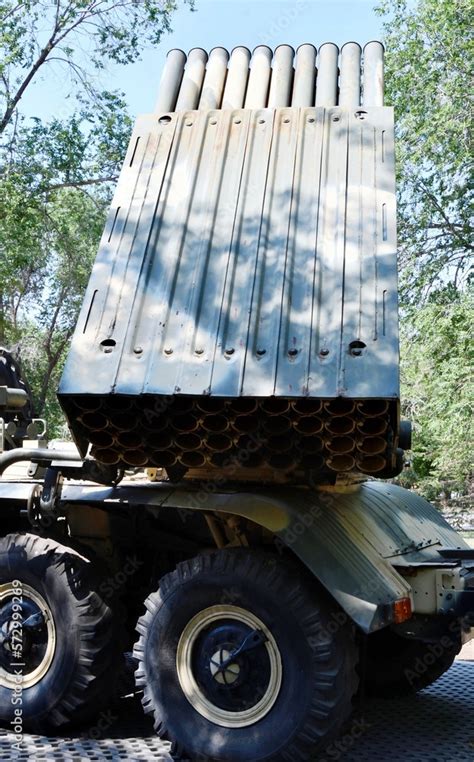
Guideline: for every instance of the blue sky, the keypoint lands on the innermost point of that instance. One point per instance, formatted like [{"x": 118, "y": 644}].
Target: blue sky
[{"x": 227, "y": 23}]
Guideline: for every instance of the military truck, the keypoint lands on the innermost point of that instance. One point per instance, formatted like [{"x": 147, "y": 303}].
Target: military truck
[
  {"x": 17, "y": 417},
  {"x": 232, "y": 390}
]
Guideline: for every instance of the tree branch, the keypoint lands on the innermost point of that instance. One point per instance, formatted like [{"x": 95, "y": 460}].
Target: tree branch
[
  {"x": 82, "y": 183},
  {"x": 57, "y": 36},
  {"x": 11, "y": 12},
  {"x": 36, "y": 66},
  {"x": 439, "y": 208}
]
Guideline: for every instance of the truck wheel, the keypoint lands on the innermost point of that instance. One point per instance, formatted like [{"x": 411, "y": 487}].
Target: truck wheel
[
  {"x": 239, "y": 658},
  {"x": 398, "y": 666},
  {"x": 59, "y": 650}
]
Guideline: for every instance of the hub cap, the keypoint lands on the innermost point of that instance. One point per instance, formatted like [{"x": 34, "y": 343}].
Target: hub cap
[
  {"x": 27, "y": 636},
  {"x": 223, "y": 668},
  {"x": 229, "y": 666}
]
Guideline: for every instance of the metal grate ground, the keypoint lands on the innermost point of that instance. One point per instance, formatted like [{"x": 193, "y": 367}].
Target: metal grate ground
[{"x": 434, "y": 726}]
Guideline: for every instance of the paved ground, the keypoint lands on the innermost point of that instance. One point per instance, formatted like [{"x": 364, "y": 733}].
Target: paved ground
[{"x": 437, "y": 725}]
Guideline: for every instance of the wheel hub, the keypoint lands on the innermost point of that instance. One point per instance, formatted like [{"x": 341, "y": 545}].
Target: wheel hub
[
  {"x": 222, "y": 671},
  {"x": 229, "y": 666},
  {"x": 27, "y": 636}
]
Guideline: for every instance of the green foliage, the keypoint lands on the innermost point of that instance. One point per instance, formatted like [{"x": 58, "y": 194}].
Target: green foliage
[
  {"x": 437, "y": 387},
  {"x": 429, "y": 62},
  {"x": 78, "y": 35},
  {"x": 428, "y": 65},
  {"x": 57, "y": 176},
  {"x": 45, "y": 293}
]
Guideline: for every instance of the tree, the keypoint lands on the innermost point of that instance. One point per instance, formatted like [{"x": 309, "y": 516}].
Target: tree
[
  {"x": 79, "y": 35},
  {"x": 47, "y": 298},
  {"x": 438, "y": 357},
  {"x": 82, "y": 153},
  {"x": 57, "y": 176},
  {"x": 428, "y": 63}
]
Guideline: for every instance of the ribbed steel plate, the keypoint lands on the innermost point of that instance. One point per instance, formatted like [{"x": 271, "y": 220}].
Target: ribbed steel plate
[
  {"x": 244, "y": 253},
  {"x": 433, "y": 726}
]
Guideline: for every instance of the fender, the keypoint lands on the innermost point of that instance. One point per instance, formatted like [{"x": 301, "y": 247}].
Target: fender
[
  {"x": 351, "y": 542},
  {"x": 330, "y": 534}
]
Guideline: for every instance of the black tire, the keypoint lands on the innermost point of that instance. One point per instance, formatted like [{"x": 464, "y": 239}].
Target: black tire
[
  {"x": 312, "y": 637},
  {"x": 82, "y": 668},
  {"x": 398, "y": 666}
]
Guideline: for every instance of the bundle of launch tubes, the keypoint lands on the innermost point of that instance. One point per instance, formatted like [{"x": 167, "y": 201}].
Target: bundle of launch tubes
[
  {"x": 349, "y": 77},
  {"x": 307, "y": 434}
]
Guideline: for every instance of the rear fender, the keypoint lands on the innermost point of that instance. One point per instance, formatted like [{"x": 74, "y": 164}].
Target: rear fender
[
  {"x": 317, "y": 528},
  {"x": 359, "y": 544}
]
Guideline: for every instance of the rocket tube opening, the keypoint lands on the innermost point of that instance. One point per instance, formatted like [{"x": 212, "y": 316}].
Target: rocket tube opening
[
  {"x": 106, "y": 455},
  {"x": 339, "y": 406},
  {"x": 101, "y": 438},
  {"x": 275, "y": 406},
  {"x": 129, "y": 439},
  {"x": 308, "y": 425},
  {"x": 307, "y": 406},
  {"x": 152, "y": 422},
  {"x": 135, "y": 458},
  {"x": 244, "y": 405},
  {"x": 218, "y": 442},
  {"x": 210, "y": 405},
  {"x": 372, "y": 427},
  {"x": 277, "y": 425},
  {"x": 371, "y": 464},
  {"x": 192, "y": 459},
  {"x": 163, "y": 458},
  {"x": 341, "y": 462},
  {"x": 215, "y": 424},
  {"x": 189, "y": 441},
  {"x": 94, "y": 421},
  {"x": 372, "y": 445},
  {"x": 124, "y": 421},
  {"x": 340, "y": 426},
  {"x": 160, "y": 440},
  {"x": 340, "y": 445},
  {"x": 184, "y": 423},
  {"x": 372, "y": 408},
  {"x": 245, "y": 424}
]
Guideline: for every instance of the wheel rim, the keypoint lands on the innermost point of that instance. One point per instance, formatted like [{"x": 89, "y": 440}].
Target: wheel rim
[
  {"x": 25, "y": 619},
  {"x": 230, "y": 687}
]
